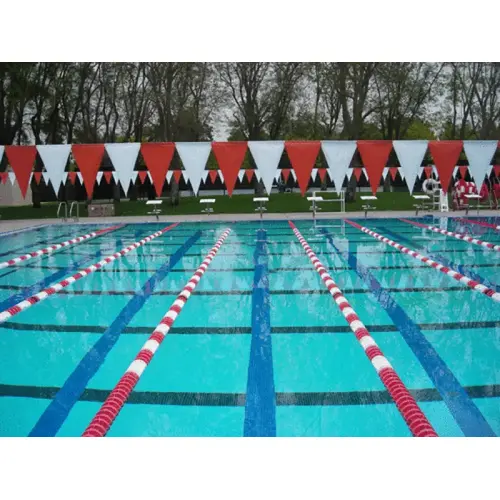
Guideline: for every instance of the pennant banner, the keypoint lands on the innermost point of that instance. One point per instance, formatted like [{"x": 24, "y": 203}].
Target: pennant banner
[
  {"x": 2, "y": 148},
  {"x": 463, "y": 172},
  {"x": 115, "y": 177},
  {"x": 445, "y": 155},
  {"x": 357, "y": 173},
  {"x": 314, "y": 174},
  {"x": 55, "y": 159},
  {"x": 374, "y": 155},
  {"x": 99, "y": 178},
  {"x": 88, "y": 157},
  {"x": 38, "y": 177},
  {"x": 177, "y": 175},
  {"x": 205, "y": 176},
  {"x": 249, "y": 173},
  {"x": 322, "y": 174},
  {"x": 213, "y": 175},
  {"x": 157, "y": 157},
  {"x": 302, "y": 155},
  {"x": 80, "y": 177},
  {"x": 46, "y": 178},
  {"x": 194, "y": 157},
  {"x": 267, "y": 156},
  {"x": 479, "y": 154},
  {"x": 285, "y": 172},
  {"x": 410, "y": 155},
  {"x": 21, "y": 159},
  {"x": 72, "y": 177},
  {"x": 123, "y": 156},
  {"x": 384, "y": 173},
  {"x": 12, "y": 178},
  {"x": 142, "y": 176},
  {"x": 394, "y": 172},
  {"x": 241, "y": 175},
  {"x": 338, "y": 155},
  {"x": 169, "y": 176},
  {"x": 294, "y": 175},
  {"x": 349, "y": 173},
  {"x": 107, "y": 176},
  {"x": 229, "y": 156}
]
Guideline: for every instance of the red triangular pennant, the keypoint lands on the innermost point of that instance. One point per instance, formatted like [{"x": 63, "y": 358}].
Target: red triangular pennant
[
  {"x": 357, "y": 173},
  {"x": 393, "y": 171},
  {"x": 230, "y": 156},
  {"x": 88, "y": 157},
  {"x": 177, "y": 175},
  {"x": 107, "y": 176},
  {"x": 463, "y": 171},
  {"x": 285, "y": 172},
  {"x": 21, "y": 159},
  {"x": 72, "y": 177},
  {"x": 249, "y": 174},
  {"x": 157, "y": 157},
  {"x": 302, "y": 155},
  {"x": 445, "y": 155},
  {"x": 374, "y": 155},
  {"x": 322, "y": 174},
  {"x": 38, "y": 177},
  {"x": 213, "y": 175},
  {"x": 497, "y": 170},
  {"x": 3, "y": 177},
  {"x": 428, "y": 172},
  {"x": 142, "y": 176}
]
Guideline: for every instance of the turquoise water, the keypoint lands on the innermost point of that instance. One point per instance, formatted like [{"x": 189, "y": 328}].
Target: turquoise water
[{"x": 260, "y": 349}]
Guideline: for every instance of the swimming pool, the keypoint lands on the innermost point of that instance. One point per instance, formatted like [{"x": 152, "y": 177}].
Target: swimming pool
[{"x": 260, "y": 348}]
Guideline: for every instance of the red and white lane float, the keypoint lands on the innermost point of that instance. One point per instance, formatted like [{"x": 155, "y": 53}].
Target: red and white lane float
[
  {"x": 109, "y": 410},
  {"x": 458, "y": 236},
  {"x": 479, "y": 223},
  {"x": 479, "y": 287},
  {"x": 51, "y": 290},
  {"x": 55, "y": 246},
  {"x": 406, "y": 404}
]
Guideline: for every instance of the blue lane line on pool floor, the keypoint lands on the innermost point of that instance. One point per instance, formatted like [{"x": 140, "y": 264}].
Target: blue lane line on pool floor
[
  {"x": 463, "y": 409},
  {"x": 438, "y": 256},
  {"x": 260, "y": 406},
  {"x": 58, "y": 410}
]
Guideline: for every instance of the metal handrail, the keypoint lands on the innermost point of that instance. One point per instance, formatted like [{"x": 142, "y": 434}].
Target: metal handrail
[
  {"x": 63, "y": 203},
  {"x": 77, "y": 210}
]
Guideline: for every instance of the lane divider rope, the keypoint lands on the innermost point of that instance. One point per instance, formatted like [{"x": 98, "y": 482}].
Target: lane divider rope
[
  {"x": 47, "y": 292},
  {"x": 458, "y": 236},
  {"x": 475, "y": 285},
  {"x": 56, "y": 246},
  {"x": 478, "y": 222},
  {"x": 110, "y": 409},
  {"x": 406, "y": 404}
]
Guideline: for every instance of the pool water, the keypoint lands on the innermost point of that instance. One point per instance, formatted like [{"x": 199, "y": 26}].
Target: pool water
[{"x": 260, "y": 348}]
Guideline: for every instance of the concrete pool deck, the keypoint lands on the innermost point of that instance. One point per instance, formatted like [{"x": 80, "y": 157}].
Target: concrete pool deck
[{"x": 14, "y": 225}]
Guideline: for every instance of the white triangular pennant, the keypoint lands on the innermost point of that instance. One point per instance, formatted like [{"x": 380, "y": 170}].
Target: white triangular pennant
[
  {"x": 314, "y": 174},
  {"x": 384, "y": 173},
  {"x": 455, "y": 171},
  {"x": 55, "y": 158},
  {"x": 338, "y": 155},
  {"x": 99, "y": 177},
  {"x": 277, "y": 176},
  {"x": 65, "y": 178},
  {"x": 267, "y": 156},
  {"x": 134, "y": 176},
  {"x": 194, "y": 157},
  {"x": 349, "y": 173},
  {"x": 365, "y": 172},
  {"x": 435, "y": 171},
  {"x": 410, "y": 155},
  {"x": 204, "y": 176},
  {"x": 294, "y": 175},
  {"x": 80, "y": 177},
  {"x": 479, "y": 154},
  {"x": 241, "y": 174},
  {"x": 258, "y": 175},
  {"x": 46, "y": 178},
  {"x": 169, "y": 176},
  {"x": 1, "y": 152},
  {"x": 150, "y": 178},
  {"x": 12, "y": 177},
  {"x": 185, "y": 176},
  {"x": 115, "y": 177},
  {"x": 123, "y": 156}
]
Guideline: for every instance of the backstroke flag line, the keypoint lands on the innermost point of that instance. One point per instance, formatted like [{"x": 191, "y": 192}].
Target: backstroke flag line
[
  {"x": 267, "y": 156},
  {"x": 123, "y": 156},
  {"x": 55, "y": 158},
  {"x": 338, "y": 155},
  {"x": 410, "y": 155},
  {"x": 194, "y": 157},
  {"x": 479, "y": 154}
]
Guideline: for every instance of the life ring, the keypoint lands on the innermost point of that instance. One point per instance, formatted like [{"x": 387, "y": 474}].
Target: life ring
[{"x": 430, "y": 186}]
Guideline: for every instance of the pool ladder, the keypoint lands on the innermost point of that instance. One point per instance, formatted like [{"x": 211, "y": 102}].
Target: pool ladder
[
  {"x": 77, "y": 217},
  {"x": 65, "y": 216}
]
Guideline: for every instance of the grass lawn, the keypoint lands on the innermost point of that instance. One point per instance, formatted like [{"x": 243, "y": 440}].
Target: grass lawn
[{"x": 238, "y": 204}]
